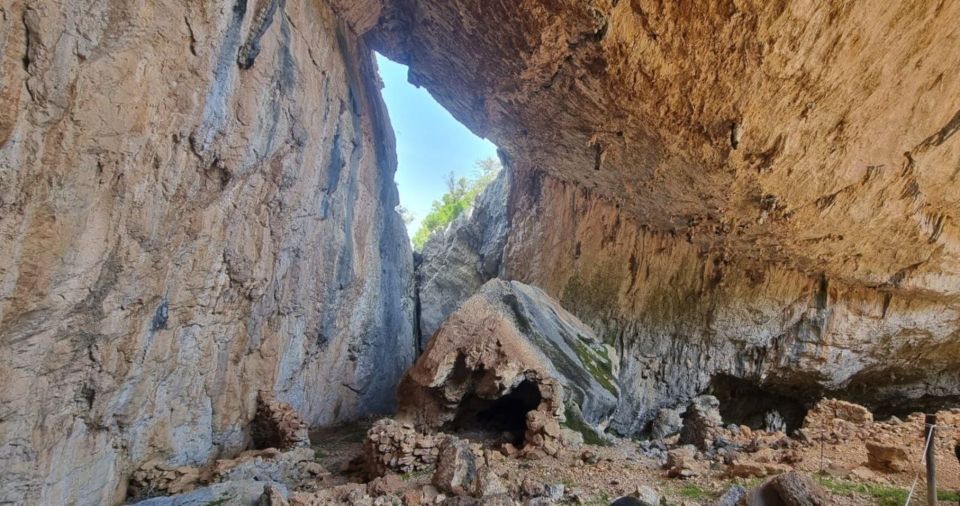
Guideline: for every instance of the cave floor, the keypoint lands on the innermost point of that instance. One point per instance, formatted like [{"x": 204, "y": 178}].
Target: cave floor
[{"x": 620, "y": 468}]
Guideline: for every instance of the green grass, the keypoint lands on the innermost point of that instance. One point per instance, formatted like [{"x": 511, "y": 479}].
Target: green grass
[
  {"x": 882, "y": 494},
  {"x": 695, "y": 492},
  {"x": 601, "y": 500}
]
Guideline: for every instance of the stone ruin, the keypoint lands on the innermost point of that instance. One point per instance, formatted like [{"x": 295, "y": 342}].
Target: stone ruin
[
  {"x": 398, "y": 447},
  {"x": 277, "y": 424},
  {"x": 281, "y": 454},
  {"x": 513, "y": 367}
]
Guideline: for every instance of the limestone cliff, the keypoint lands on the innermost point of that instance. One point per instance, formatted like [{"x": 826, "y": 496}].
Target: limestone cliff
[
  {"x": 196, "y": 202},
  {"x": 725, "y": 191}
]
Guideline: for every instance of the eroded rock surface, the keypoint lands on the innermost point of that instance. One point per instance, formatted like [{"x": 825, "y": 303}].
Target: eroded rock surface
[
  {"x": 722, "y": 188},
  {"x": 510, "y": 359},
  {"x": 196, "y": 203}
]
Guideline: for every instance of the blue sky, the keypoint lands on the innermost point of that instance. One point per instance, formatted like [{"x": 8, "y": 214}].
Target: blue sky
[{"x": 430, "y": 142}]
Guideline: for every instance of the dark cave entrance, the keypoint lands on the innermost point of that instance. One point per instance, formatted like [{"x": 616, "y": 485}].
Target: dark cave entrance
[
  {"x": 503, "y": 419},
  {"x": 744, "y": 402}
]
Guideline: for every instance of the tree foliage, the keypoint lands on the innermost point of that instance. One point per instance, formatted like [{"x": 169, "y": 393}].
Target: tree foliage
[{"x": 459, "y": 197}]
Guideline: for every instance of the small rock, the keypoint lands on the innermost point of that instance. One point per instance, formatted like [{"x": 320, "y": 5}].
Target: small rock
[
  {"x": 589, "y": 456},
  {"x": 648, "y": 495},
  {"x": 554, "y": 491},
  {"x": 489, "y": 484},
  {"x": 532, "y": 488},
  {"x": 732, "y": 496}
]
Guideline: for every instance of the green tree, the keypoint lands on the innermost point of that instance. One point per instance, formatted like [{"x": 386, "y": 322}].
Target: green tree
[{"x": 461, "y": 192}]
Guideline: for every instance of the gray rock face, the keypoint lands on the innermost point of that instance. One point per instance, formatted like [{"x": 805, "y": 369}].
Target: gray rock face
[
  {"x": 193, "y": 207},
  {"x": 667, "y": 423},
  {"x": 457, "y": 261}
]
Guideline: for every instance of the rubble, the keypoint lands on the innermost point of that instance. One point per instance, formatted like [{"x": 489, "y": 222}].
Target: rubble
[{"x": 295, "y": 469}]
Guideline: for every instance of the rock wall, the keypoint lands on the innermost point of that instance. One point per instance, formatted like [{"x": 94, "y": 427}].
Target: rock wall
[
  {"x": 759, "y": 190},
  {"x": 196, "y": 203},
  {"x": 681, "y": 317}
]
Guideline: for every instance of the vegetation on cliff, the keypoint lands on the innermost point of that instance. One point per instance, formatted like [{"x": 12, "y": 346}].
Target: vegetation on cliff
[{"x": 459, "y": 197}]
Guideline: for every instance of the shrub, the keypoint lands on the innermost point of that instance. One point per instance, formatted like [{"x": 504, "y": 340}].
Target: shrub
[{"x": 459, "y": 197}]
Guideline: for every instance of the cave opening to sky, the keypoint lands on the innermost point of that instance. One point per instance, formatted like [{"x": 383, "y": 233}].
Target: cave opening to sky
[{"x": 431, "y": 144}]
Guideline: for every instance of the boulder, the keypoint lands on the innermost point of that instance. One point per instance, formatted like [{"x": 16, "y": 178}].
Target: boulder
[
  {"x": 887, "y": 457},
  {"x": 489, "y": 484},
  {"x": 788, "y": 489},
  {"x": 682, "y": 463},
  {"x": 511, "y": 360},
  {"x": 456, "y": 468},
  {"x": 628, "y": 500}
]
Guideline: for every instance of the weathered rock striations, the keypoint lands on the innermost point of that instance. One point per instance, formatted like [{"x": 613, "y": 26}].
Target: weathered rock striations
[
  {"x": 845, "y": 119},
  {"x": 196, "y": 203},
  {"x": 818, "y": 256}
]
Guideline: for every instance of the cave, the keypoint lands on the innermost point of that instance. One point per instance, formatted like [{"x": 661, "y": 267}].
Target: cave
[
  {"x": 744, "y": 402},
  {"x": 503, "y": 419}
]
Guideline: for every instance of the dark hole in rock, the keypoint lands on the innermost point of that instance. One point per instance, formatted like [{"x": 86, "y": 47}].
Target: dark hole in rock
[
  {"x": 901, "y": 408},
  {"x": 745, "y": 403},
  {"x": 503, "y": 419}
]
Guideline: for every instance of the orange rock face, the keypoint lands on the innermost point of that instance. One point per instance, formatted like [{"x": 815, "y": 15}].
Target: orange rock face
[{"x": 761, "y": 190}]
